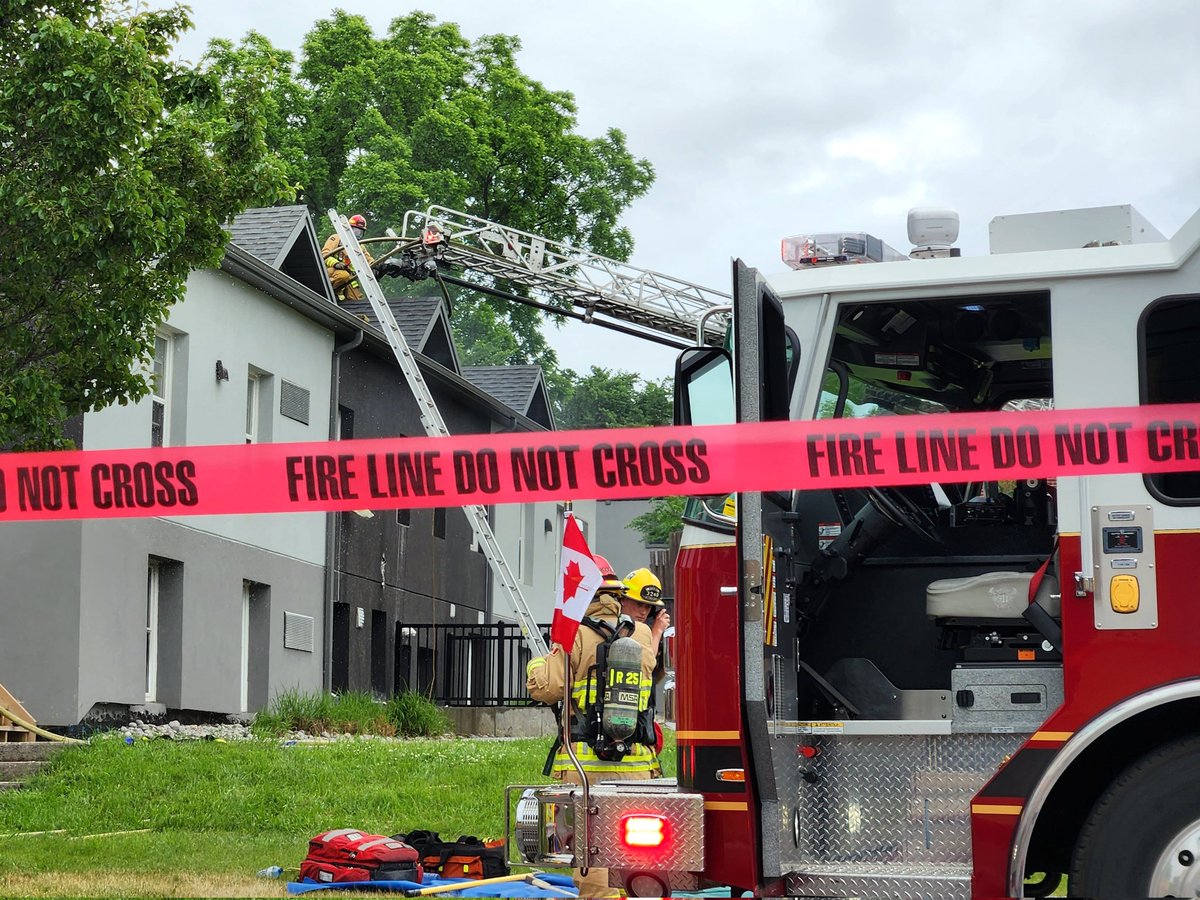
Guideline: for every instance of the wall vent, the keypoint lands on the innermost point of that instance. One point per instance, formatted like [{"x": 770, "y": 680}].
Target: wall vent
[
  {"x": 293, "y": 401},
  {"x": 298, "y": 632}
]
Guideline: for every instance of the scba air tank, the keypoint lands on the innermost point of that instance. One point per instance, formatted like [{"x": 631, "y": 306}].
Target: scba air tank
[{"x": 622, "y": 690}]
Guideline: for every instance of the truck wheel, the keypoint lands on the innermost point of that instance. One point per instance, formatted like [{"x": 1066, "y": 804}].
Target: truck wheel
[{"x": 1142, "y": 838}]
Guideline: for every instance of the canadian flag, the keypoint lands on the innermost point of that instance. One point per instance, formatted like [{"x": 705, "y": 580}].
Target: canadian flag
[{"x": 578, "y": 579}]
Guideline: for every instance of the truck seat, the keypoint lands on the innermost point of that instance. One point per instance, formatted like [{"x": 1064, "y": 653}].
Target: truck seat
[{"x": 992, "y": 595}]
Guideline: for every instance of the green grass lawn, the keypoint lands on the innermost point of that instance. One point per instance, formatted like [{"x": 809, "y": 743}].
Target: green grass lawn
[
  {"x": 219, "y": 812},
  {"x": 229, "y": 809}
]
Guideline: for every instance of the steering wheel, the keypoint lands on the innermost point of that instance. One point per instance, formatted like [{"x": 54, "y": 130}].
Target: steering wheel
[{"x": 901, "y": 506}]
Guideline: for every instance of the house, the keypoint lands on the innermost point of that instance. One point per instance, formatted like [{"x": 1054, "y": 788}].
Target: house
[
  {"x": 217, "y": 614},
  {"x": 205, "y": 613}
]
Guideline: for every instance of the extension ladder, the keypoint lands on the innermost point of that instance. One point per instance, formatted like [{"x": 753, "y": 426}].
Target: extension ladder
[{"x": 435, "y": 426}]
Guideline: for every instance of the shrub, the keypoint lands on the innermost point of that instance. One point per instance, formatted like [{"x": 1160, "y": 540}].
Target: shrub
[
  {"x": 350, "y": 713},
  {"x": 415, "y": 715}
]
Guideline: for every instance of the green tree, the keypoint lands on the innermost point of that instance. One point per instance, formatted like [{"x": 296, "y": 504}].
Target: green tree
[
  {"x": 607, "y": 399},
  {"x": 658, "y": 523},
  {"x": 484, "y": 337},
  {"x": 118, "y": 168},
  {"x": 421, "y": 116}
]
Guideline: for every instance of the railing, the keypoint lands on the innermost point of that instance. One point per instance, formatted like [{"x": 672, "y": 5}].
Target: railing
[
  {"x": 464, "y": 665},
  {"x": 482, "y": 665}
]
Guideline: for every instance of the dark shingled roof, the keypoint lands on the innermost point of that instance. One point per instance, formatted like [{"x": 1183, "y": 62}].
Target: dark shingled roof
[
  {"x": 422, "y": 321},
  {"x": 285, "y": 238},
  {"x": 520, "y": 387},
  {"x": 268, "y": 233},
  {"x": 414, "y": 315}
]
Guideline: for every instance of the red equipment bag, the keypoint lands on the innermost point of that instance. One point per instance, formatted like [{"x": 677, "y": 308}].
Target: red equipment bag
[
  {"x": 468, "y": 857},
  {"x": 345, "y": 854}
]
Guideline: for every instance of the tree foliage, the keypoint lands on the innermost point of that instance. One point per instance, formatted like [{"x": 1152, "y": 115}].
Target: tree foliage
[
  {"x": 658, "y": 523},
  {"x": 607, "y": 399},
  {"x": 118, "y": 168},
  {"x": 419, "y": 116}
]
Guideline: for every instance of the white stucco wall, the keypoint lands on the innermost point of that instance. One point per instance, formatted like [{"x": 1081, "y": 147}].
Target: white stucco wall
[{"x": 224, "y": 319}]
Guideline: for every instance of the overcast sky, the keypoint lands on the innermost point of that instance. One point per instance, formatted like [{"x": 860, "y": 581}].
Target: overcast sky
[{"x": 769, "y": 118}]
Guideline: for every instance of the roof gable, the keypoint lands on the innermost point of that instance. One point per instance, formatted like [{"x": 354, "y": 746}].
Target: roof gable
[
  {"x": 521, "y": 388},
  {"x": 423, "y": 323},
  {"x": 285, "y": 238}
]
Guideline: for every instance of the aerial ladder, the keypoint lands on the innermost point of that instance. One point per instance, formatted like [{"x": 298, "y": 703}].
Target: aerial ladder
[{"x": 440, "y": 237}]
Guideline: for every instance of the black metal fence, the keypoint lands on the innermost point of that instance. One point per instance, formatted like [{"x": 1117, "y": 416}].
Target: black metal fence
[{"x": 464, "y": 665}]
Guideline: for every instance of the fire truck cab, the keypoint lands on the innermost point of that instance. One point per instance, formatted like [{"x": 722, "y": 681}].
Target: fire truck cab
[
  {"x": 909, "y": 723},
  {"x": 868, "y": 704}
]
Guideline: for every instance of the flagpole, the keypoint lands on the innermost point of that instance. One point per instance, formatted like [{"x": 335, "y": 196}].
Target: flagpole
[{"x": 566, "y": 722}]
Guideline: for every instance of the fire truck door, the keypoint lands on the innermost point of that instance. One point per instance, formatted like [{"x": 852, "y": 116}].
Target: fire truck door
[{"x": 766, "y": 358}]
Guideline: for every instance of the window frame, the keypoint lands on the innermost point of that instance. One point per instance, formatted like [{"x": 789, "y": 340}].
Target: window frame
[
  {"x": 254, "y": 382},
  {"x": 244, "y": 660},
  {"x": 160, "y": 387},
  {"x": 153, "y": 599},
  {"x": 1143, "y": 389}
]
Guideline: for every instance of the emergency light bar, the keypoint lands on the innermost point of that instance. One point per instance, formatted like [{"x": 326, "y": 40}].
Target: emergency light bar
[{"x": 803, "y": 251}]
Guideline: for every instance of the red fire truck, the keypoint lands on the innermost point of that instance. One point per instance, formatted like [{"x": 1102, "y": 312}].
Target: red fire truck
[{"x": 868, "y": 702}]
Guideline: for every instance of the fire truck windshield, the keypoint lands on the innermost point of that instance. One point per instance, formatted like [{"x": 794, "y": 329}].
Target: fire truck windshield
[{"x": 940, "y": 354}]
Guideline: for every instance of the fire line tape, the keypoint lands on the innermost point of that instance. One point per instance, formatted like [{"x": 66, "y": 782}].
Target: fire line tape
[{"x": 386, "y": 473}]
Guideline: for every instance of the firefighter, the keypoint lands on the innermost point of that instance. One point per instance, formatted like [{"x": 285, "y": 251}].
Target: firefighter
[
  {"x": 643, "y": 603},
  {"x": 545, "y": 684},
  {"x": 337, "y": 262}
]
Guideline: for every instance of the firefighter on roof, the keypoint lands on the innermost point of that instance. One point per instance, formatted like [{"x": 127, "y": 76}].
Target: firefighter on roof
[
  {"x": 337, "y": 262},
  {"x": 603, "y": 757}
]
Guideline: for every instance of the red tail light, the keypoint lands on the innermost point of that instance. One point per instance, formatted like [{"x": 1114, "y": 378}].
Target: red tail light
[{"x": 643, "y": 831}]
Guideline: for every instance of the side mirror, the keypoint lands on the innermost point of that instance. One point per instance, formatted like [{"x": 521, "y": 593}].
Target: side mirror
[{"x": 704, "y": 387}]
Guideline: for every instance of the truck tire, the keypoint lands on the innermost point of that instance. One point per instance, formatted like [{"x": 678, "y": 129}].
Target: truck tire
[{"x": 1142, "y": 838}]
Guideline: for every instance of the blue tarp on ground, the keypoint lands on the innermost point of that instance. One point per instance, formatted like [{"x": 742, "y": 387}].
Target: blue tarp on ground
[{"x": 469, "y": 888}]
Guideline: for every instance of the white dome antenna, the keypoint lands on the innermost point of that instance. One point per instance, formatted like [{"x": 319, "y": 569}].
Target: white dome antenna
[{"x": 932, "y": 231}]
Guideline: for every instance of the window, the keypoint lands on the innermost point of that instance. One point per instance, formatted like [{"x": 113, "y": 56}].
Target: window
[
  {"x": 955, "y": 354},
  {"x": 403, "y": 658},
  {"x": 1170, "y": 344},
  {"x": 345, "y": 423},
  {"x": 160, "y": 391},
  {"x": 244, "y": 679},
  {"x": 152, "y": 597},
  {"x": 379, "y": 642},
  {"x": 439, "y": 522},
  {"x": 525, "y": 548},
  {"x": 339, "y": 663},
  {"x": 253, "y": 405},
  {"x": 948, "y": 355}
]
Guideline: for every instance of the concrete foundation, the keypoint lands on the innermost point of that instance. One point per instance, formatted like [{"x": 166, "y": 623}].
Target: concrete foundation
[{"x": 504, "y": 721}]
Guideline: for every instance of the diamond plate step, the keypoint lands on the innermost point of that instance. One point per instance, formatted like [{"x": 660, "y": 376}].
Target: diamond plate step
[{"x": 882, "y": 881}]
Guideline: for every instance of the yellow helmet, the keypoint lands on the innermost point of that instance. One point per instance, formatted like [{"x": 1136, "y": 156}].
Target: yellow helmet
[{"x": 643, "y": 586}]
